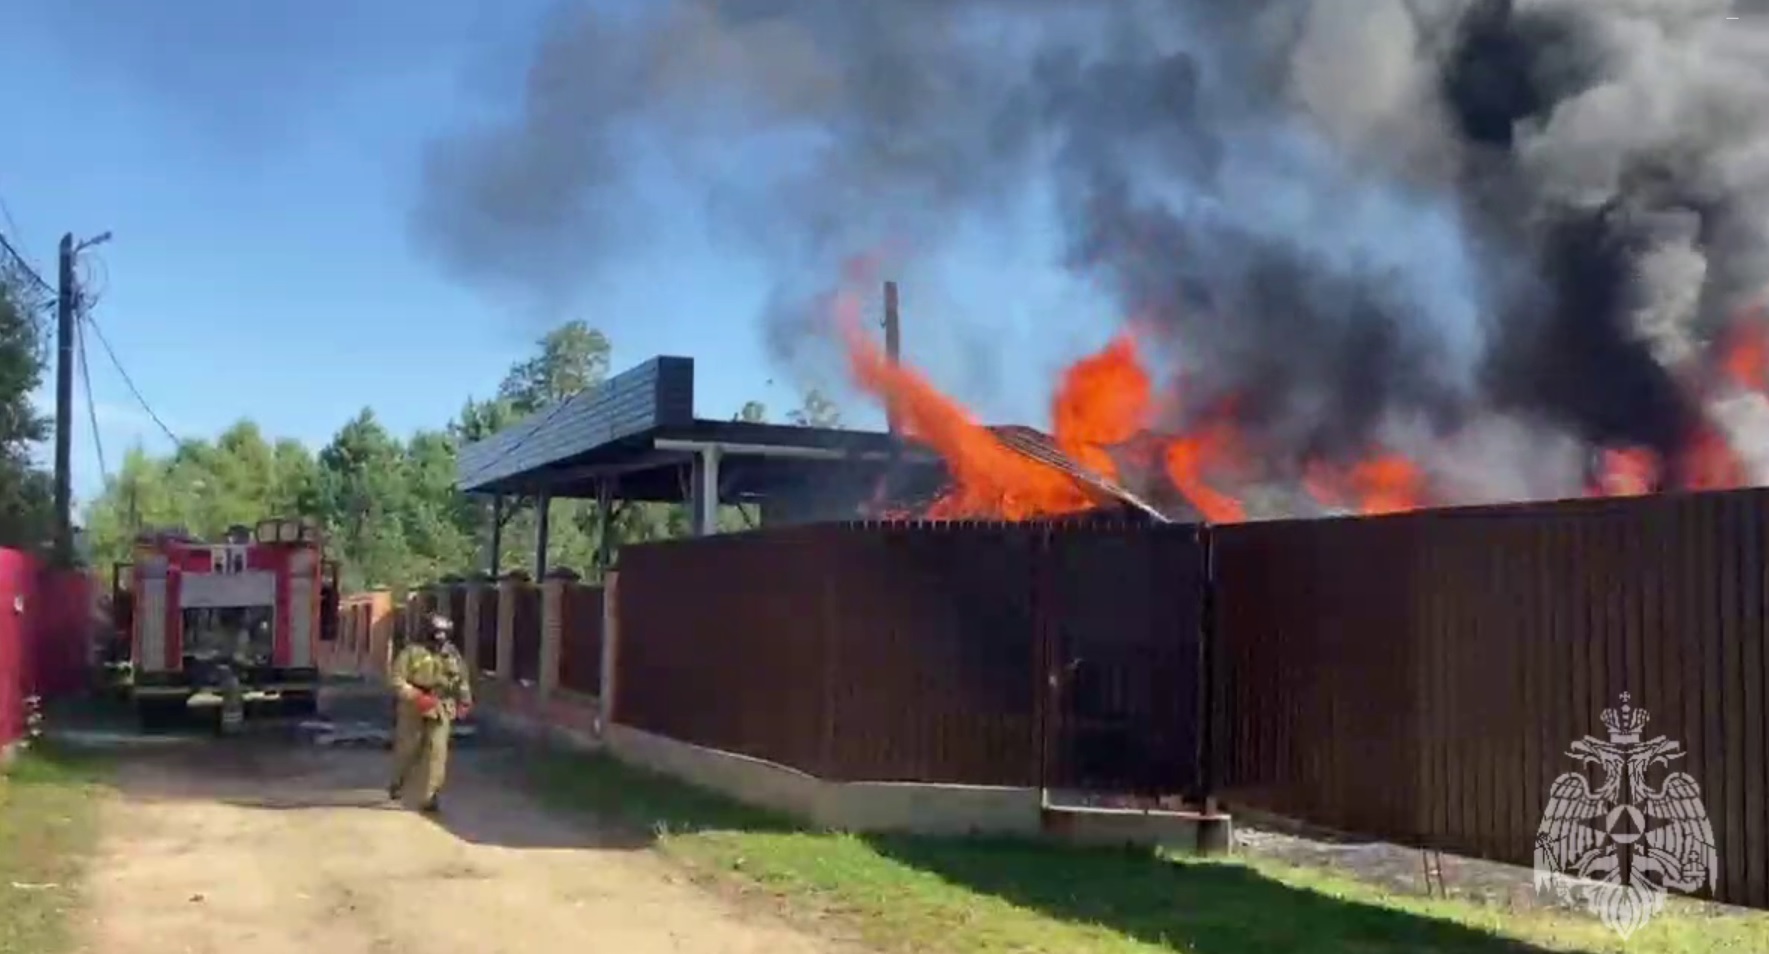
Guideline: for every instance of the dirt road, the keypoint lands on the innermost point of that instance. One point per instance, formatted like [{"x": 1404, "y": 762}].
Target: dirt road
[{"x": 276, "y": 847}]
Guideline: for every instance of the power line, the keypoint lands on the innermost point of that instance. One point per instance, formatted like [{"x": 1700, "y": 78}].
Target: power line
[
  {"x": 104, "y": 472},
  {"x": 130, "y": 382},
  {"x": 24, "y": 265}
]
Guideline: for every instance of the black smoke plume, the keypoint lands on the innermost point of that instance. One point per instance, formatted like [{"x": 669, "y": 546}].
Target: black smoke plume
[{"x": 1472, "y": 225}]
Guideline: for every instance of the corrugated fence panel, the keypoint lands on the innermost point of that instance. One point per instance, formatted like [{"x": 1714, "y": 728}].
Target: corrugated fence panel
[
  {"x": 487, "y": 648},
  {"x": 722, "y": 642},
  {"x": 1314, "y": 702},
  {"x": 1420, "y": 678},
  {"x": 1122, "y": 608},
  {"x": 580, "y": 639},
  {"x": 456, "y": 603},
  {"x": 934, "y": 673}
]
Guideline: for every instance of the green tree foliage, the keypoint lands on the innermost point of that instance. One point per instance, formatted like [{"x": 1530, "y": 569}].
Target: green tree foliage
[
  {"x": 25, "y": 491},
  {"x": 389, "y": 506}
]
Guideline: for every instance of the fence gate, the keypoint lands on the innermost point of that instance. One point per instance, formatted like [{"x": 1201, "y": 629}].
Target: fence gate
[{"x": 1120, "y": 616}]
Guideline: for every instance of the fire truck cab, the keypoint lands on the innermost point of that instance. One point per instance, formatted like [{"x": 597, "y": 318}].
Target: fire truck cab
[{"x": 230, "y": 624}]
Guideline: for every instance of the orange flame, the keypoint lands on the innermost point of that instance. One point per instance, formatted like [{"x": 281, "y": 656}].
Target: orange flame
[
  {"x": 1382, "y": 483},
  {"x": 1211, "y": 448},
  {"x": 1744, "y": 358},
  {"x": 1626, "y": 472},
  {"x": 1104, "y": 400},
  {"x": 1105, "y": 404},
  {"x": 988, "y": 479}
]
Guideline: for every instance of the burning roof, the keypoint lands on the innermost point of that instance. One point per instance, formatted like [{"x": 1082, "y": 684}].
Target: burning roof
[
  {"x": 1381, "y": 255},
  {"x": 1106, "y": 451}
]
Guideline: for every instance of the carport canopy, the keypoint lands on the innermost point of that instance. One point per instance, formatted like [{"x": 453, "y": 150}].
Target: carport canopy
[{"x": 634, "y": 437}]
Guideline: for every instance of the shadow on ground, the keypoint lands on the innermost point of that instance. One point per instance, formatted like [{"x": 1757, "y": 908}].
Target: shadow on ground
[
  {"x": 1205, "y": 907},
  {"x": 1199, "y": 906}
]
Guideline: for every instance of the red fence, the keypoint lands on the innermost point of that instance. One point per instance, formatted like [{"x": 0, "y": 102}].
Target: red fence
[{"x": 45, "y": 633}]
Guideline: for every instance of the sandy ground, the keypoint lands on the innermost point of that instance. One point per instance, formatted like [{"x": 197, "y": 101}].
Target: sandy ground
[{"x": 274, "y": 846}]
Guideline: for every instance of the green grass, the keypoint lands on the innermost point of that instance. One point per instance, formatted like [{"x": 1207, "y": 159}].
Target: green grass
[
  {"x": 957, "y": 896},
  {"x": 48, "y": 803}
]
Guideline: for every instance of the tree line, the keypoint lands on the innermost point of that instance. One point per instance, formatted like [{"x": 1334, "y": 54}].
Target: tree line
[
  {"x": 26, "y": 517},
  {"x": 389, "y": 506}
]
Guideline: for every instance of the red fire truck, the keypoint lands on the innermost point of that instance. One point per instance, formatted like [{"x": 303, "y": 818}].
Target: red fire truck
[{"x": 233, "y": 625}]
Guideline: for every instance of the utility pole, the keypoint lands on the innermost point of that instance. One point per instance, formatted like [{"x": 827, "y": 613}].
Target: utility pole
[
  {"x": 65, "y": 305},
  {"x": 893, "y": 347},
  {"x": 67, "y": 308}
]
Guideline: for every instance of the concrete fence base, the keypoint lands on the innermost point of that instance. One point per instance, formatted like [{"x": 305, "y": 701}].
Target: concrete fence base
[{"x": 543, "y": 711}]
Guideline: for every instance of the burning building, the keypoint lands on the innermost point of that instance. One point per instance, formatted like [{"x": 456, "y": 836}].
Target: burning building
[
  {"x": 1582, "y": 313},
  {"x": 1370, "y": 256}
]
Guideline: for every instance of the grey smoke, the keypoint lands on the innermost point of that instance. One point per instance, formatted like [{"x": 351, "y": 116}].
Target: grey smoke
[{"x": 1371, "y": 220}]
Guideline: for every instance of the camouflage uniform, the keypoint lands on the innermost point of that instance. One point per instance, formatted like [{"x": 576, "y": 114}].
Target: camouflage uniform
[{"x": 420, "y": 741}]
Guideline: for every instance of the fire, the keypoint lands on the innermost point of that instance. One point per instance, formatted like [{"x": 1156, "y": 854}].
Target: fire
[
  {"x": 1106, "y": 416},
  {"x": 1626, "y": 472},
  {"x": 1105, "y": 400},
  {"x": 1744, "y": 358},
  {"x": 1382, "y": 483},
  {"x": 1104, "y": 404},
  {"x": 1706, "y": 460},
  {"x": 988, "y": 479},
  {"x": 1210, "y": 448}
]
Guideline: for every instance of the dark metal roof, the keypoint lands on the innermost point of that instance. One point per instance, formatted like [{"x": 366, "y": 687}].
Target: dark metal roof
[
  {"x": 632, "y": 427},
  {"x": 637, "y": 426},
  {"x": 1041, "y": 447},
  {"x": 655, "y": 394}
]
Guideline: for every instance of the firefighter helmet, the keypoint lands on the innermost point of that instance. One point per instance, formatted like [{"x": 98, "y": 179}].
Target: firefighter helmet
[{"x": 438, "y": 626}]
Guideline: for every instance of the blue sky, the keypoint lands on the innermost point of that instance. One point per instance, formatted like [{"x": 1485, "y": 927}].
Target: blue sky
[{"x": 255, "y": 162}]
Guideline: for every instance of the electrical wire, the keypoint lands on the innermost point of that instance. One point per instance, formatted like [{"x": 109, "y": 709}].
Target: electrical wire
[
  {"x": 128, "y": 381},
  {"x": 24, "y": 266},
  {"x": 6, "y": 214},
  {"x": 95, "y": 273},
  {"x": 104, "y": 471}
]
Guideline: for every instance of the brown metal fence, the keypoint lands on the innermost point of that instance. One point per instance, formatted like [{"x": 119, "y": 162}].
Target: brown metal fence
[
  {"x": 1121, "y": 613},
  {"x": 580, "y": 639},
  {"x": 931, "y": 653},
  {"x": 525, "y": 637},
  {"x": 850, "y": 652},
  {"x": 721, "y": 644},
  {"x": 487, "y": 631},
  {"x": 903, "y": 652},
  {"x": 455, "y": 601},
  {"x": 1419, "y": 678},
  {"x": 1416, "y": 678}
]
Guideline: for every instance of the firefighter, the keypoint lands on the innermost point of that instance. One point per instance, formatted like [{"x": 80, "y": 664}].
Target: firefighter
[{"x": 430, "y": 680}]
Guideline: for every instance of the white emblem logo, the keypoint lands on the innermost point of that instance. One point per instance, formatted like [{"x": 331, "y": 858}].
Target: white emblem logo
[{"x": 1624, "y": 845}]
